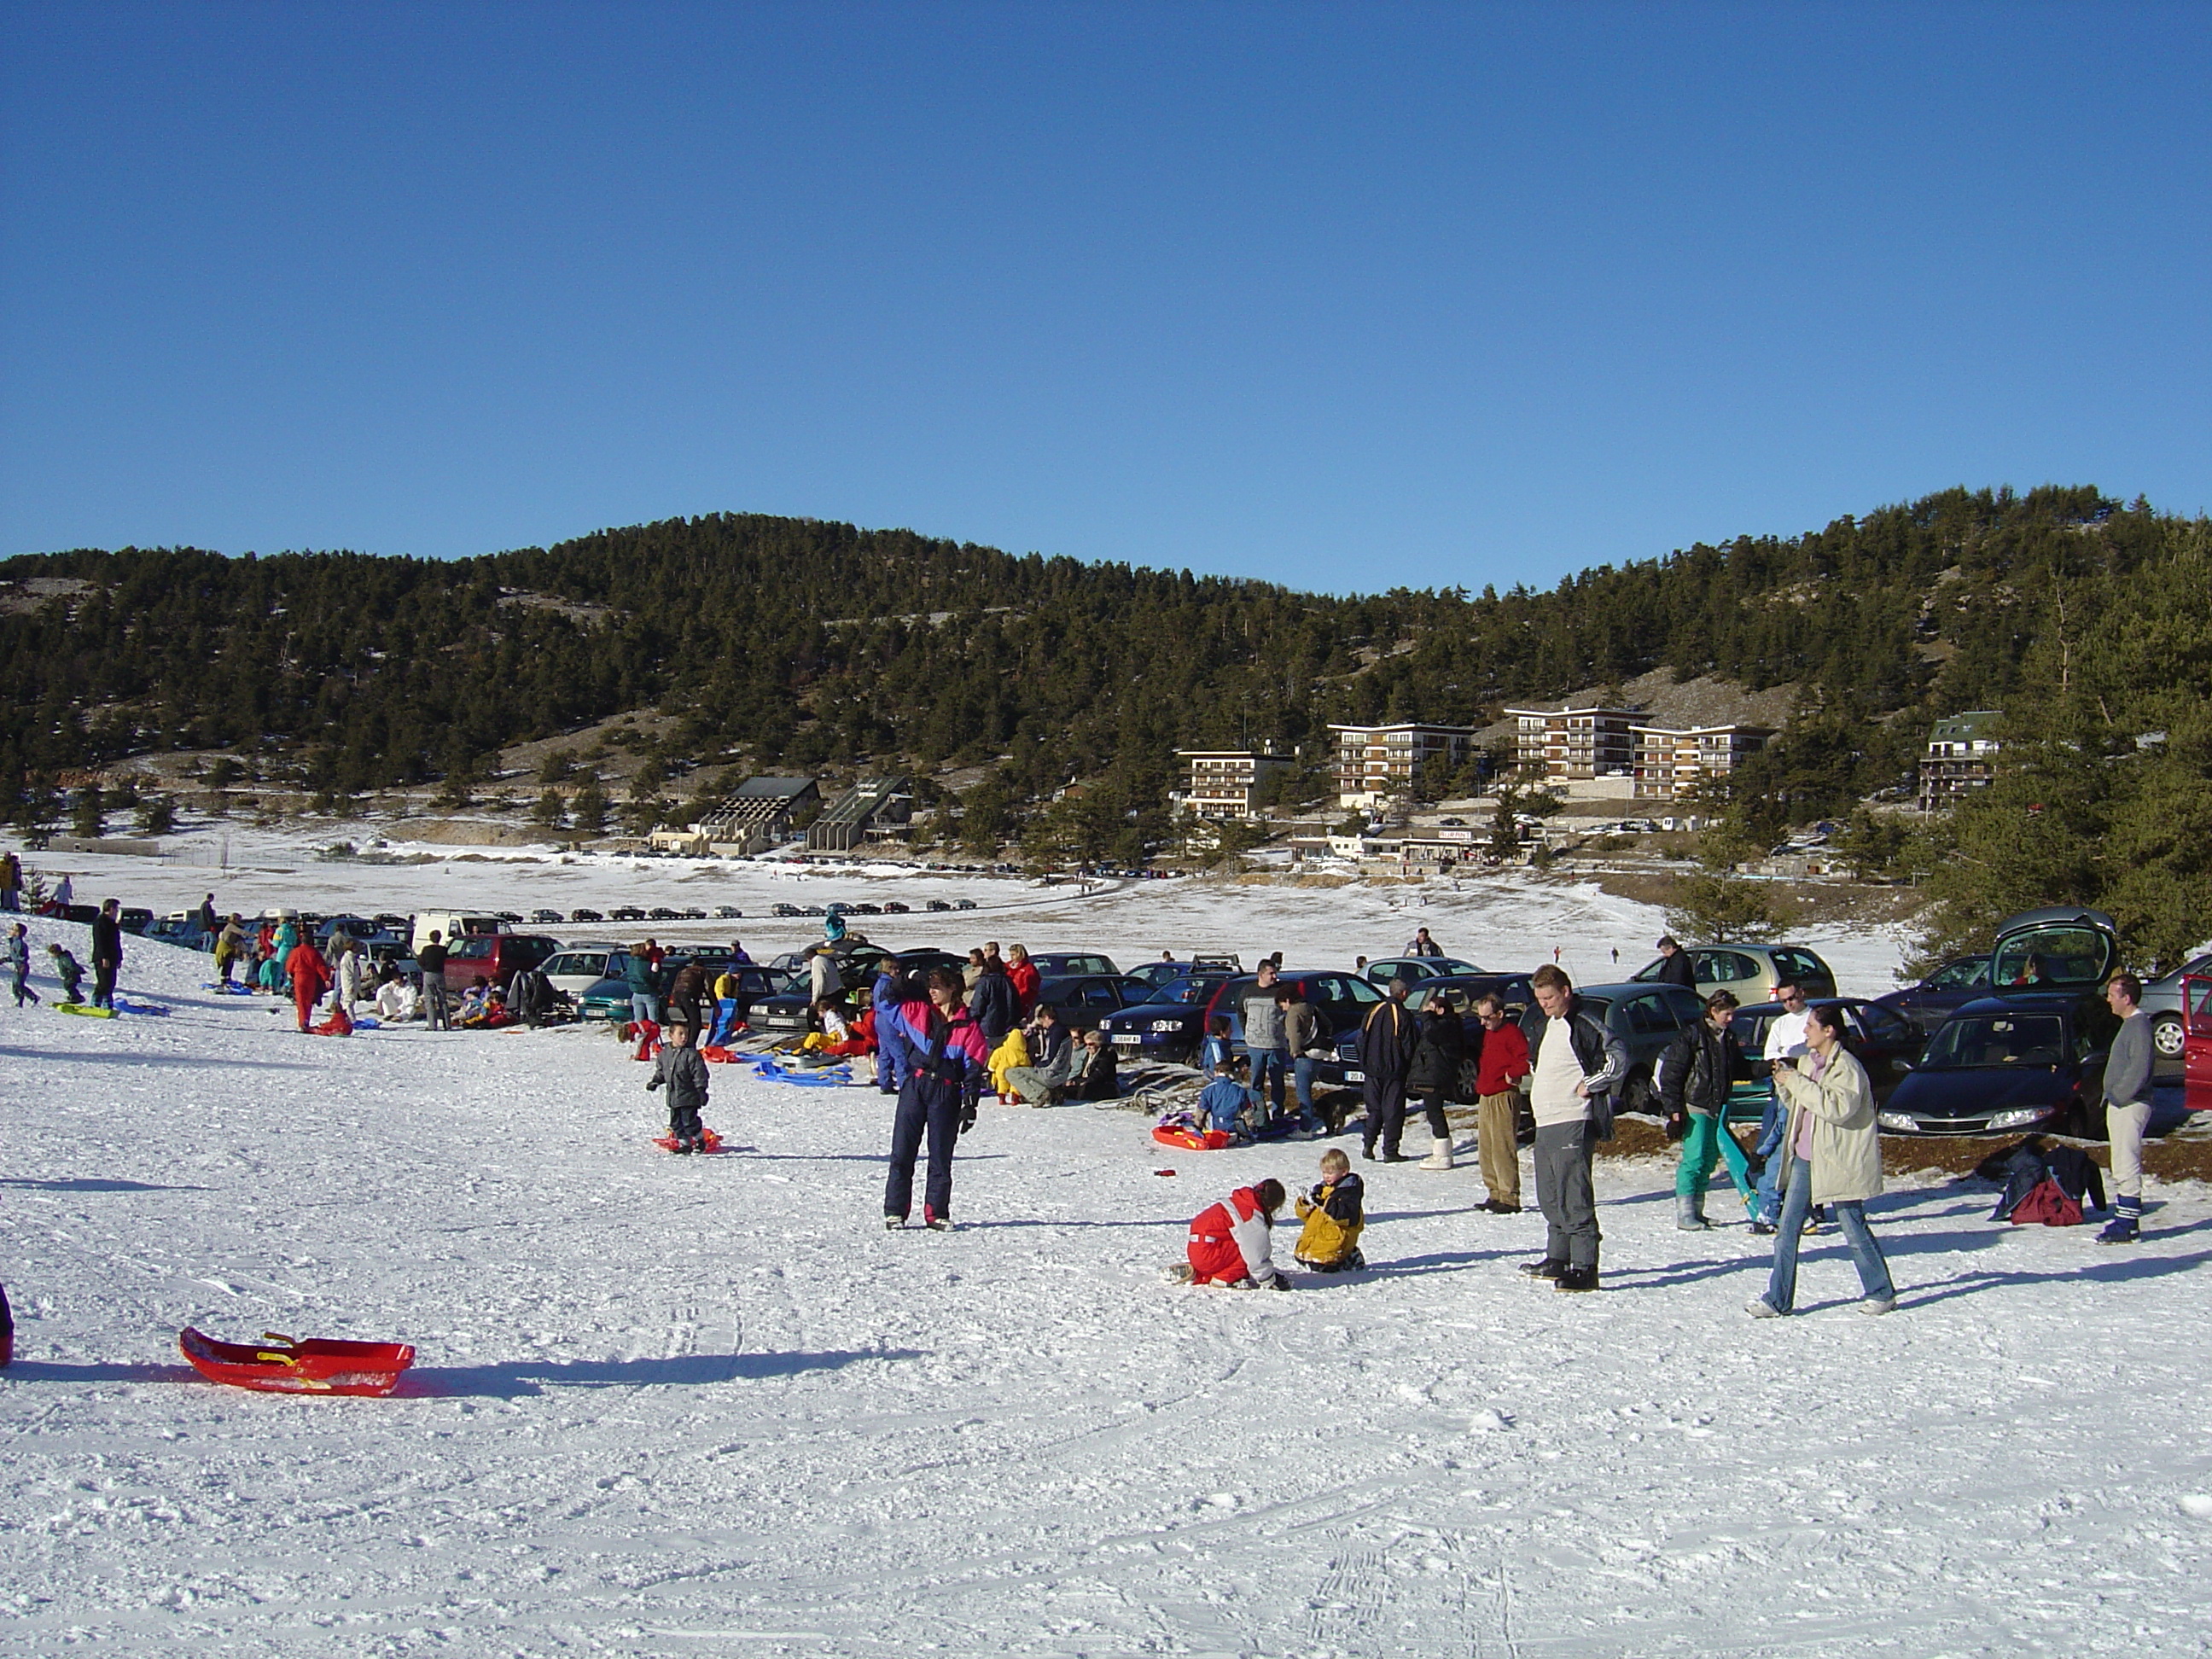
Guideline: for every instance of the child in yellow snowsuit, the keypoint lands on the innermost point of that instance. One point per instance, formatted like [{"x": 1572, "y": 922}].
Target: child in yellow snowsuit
[
  {"x": 1014, "y": 1051},
  {"x": 1329, "y": 1241}
]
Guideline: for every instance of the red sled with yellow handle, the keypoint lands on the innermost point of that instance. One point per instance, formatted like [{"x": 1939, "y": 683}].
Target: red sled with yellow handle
[{"x": 278, "y": 1364}]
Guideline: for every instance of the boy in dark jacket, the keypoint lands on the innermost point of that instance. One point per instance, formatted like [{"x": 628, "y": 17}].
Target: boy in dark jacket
[
  {"x": 72, "y": 973},
  {"x": 682, "y": 1068},
  {"x": 1695, "y": 1077}
]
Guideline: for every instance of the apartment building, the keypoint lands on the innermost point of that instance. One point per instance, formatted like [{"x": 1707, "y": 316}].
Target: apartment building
[
  {"x": 1576, "y": 742},
  {"x": 1671, "y": 762},
  {"x": 1375, "y": 762},
  {"x": 1224, "y": 782},
  {"x": 1960, "y": 756}
]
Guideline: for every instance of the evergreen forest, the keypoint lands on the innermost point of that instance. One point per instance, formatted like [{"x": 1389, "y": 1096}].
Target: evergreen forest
[{"x": 783, "y": 643}]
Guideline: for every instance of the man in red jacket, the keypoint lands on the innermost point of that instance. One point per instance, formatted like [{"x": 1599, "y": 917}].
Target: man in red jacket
[
  {"x": 1230, "y": 1242},
  {"x": 310, "y": 977},
  {"x": 1502, "y": 1062}
]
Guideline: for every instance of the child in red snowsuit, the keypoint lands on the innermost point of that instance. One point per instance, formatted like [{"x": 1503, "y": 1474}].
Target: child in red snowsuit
[
  {"x": 311, "y": 978},
  {"x": 1230, "y": 1243}
]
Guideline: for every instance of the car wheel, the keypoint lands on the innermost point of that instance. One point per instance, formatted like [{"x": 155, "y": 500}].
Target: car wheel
[
  {"x": 1636, "y": 1095},
  {"x": 2166, "y": 1035},
  {"x": 1468, "y": 1093}
]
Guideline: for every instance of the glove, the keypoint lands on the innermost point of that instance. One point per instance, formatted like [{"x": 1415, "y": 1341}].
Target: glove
[{"x": 651, "y": 1083}]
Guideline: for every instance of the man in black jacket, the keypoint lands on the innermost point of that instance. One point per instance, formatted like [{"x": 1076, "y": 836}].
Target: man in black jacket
[
  {"x": 1695, "y": 1077},
  {"x": 431, "y": 959},
  {"x": 993, "y": 1003},
  {"x": 1386, "y": 1052},
  {"x": 1675, "y": 967},
  {"x": 106, "y": 953}
]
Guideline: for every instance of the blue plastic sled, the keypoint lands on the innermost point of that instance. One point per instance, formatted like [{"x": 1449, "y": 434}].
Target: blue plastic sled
[
  {"x": 154, "y": 1009},
  {"x": 829, "y": 1076}
]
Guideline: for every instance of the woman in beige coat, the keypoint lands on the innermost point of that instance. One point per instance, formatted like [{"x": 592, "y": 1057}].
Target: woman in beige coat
[{"x": 1835, "y": 1159}]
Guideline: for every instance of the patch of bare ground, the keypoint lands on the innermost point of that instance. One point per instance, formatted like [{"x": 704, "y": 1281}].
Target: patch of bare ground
[{"x": 1818, "y": 903}]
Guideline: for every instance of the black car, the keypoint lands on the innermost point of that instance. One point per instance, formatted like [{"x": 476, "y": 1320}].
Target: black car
[
  {"x": 727, "y": 913},
  {"x": 784, "y": 908},
  {"x": 1083, "y": 1000},
  {"x": 547, "y": 918},
  {"x": 587, "y": 916},
  {"x": 1935, "y": 998},
  {"x": 938, "y": 904},
  {"x": 857, "y": 963},
  {"x": 1173, "y": 1030},
  {"x": 625, "y": 913},
  {"x": 662, "y": 913},
  {"x": 1885, "y": 1042},
  {"x": 1051, "y": 962},
  {"x": 964, "y": 904},
  {"x": 893, "y": 907},
  {"x": 2002, "y": 1065}
]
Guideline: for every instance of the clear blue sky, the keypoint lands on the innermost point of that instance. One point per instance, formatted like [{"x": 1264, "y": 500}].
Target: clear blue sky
[{"x": 1347, "y": 296}]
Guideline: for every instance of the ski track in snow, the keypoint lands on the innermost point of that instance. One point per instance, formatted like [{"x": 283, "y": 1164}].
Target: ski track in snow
[{"x": 706, "y": 1405}]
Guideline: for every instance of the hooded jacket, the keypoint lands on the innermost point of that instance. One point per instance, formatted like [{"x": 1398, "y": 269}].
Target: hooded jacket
[
  {"x": 1233, "y": 1241},
  {"x": 1440, "y": 1048}
]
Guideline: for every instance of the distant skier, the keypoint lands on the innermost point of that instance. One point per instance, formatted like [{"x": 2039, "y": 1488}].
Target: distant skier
[{"x": 681, "y": 1067}]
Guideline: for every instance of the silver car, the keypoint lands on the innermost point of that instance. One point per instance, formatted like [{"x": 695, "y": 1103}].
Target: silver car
[{"x": 2162, "y": 1006}]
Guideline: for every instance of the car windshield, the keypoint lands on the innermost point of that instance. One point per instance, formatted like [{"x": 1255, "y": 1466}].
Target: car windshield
[
  {"x": 1184, "y": 990},
  {"x": 579, "y": 962},
  {"x": 1998, "y": 1039},
  {"x": 1967, "y": 971}
]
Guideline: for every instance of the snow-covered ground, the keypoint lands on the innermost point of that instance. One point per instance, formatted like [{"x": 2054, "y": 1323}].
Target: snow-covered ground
[{"x": 707, "y": 1406}]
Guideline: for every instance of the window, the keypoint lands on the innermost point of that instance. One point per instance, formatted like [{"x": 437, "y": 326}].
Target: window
[
  {"x": 1998, "y": 1040},
  {"x": 1956, "y": 975}
]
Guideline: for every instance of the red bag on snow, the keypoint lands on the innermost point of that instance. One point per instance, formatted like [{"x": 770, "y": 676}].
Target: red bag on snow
[{"x": 2049, "y": 1203}]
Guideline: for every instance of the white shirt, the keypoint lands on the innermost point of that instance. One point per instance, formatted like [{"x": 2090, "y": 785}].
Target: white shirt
[
  {"x": 1558, "y": 1074},
  {"x": 1785, "y": 1038}
]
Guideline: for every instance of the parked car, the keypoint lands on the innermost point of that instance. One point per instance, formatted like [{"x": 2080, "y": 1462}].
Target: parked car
[
  {"x": 728, "y": 913},
  {"x": 790, "y": 1009},
  {"x": 498, "y": 956},
  {"x": 182, "y": 930},
  {"x": 1160, "y": 973},
  {"x": 1051, "y": 962},
  {"x": 2162, "y": 1006},
  {"x": 626, "y": 912},
  {"x": 1751, "y": 972},
  {"x": 662, "y": 913},
  {"x": 1414, "y": 970},
  {"x": 1171, "y": 1030},
  {"x": 576, "y": 972},
  {"x": 450, "y": 925},
  {"x": 507, "y": 916},
  {"x": 937, "y": 904},
  {"x": 547, "y": 918},
  {"x": 964, "y": 904},
  {"x": 893, "y": 907},
  {"x": 1083, "y": 1000},
  {"x": 1647, "y": 1018},
  {"x": 585, "y": 916},
  {"x": 1959, "y": 981},
  {"x": 2059, "y": 948},
  {"x": 2002, "y": 1065},
  {"x": 609, "y": 997},
  {"x": 1885, "y": 1042}
]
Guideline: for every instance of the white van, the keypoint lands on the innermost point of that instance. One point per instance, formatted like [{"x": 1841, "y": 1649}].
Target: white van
[{"x": 450, "y": 925}]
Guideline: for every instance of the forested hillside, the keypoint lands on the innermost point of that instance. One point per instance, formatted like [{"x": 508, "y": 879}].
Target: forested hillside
[{"x": 798, "y": 642}]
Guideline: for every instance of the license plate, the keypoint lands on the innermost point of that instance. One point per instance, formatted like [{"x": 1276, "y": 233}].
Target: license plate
[
  {"x": 1355, "y": 1077},
  {"x": 1129, "y": 1037}
]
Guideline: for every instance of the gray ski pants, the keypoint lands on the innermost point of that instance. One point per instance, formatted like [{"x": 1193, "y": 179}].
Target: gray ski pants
[{"x": 1563, "y": 1188}]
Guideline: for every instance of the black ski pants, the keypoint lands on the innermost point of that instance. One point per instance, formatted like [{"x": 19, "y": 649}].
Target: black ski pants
[
  {"x": 1439, "y": 1126},
  {"x": 1385, "y": 1113},
  {"x": 923, "y": 1104},
  {"x": 103, "y": 983}
]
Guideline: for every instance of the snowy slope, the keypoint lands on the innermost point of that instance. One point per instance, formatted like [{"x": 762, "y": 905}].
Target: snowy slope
[{"x": 707, "y": 1406}]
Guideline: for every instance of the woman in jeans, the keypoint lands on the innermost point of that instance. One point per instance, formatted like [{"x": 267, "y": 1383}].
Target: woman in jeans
[{"x": 1834, "y": 1158}]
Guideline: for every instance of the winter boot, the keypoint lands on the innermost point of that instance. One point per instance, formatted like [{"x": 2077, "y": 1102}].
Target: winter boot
[
  {"x": 934, "y": 1221},
  {"x": 1577, "y": 1279},
  {"x": 1440, "y": 1156},
  {"x": 2124, "y": 1227},
  {"x": 1687, "y": 1218},
  {"x": 1547, "y": 1268}
]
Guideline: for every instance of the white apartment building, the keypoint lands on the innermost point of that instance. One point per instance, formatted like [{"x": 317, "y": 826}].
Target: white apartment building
[
  {"x": 1375, "y": 762},
  {"x": 1223, "y": 781},
  {"x": 1579, "y": 742},
  {"x": 1671, "y": 762}
]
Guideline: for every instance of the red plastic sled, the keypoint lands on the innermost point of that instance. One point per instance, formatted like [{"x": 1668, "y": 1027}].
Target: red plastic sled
[
  {"x": 668, "y": 1143},
  {"x": 277, "y": 1364},
  {"x": 1213, "y": 1140}
]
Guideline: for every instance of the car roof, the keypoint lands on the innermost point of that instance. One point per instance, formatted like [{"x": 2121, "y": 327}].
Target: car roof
[{"x": 2027, "y": 1002}]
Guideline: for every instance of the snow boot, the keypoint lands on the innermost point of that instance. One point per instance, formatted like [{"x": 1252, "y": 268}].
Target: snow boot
[
  {"x": 1440, "y": 1156},
  {"x": 1548, "y": 1268},
  {"x": 1687, "y": 1218},
  {"x": 1577, "y": 1279},
  {"x": 934, "y": 1221},
  {"x": 894, "y": 1223},
  {"x": 2124, "y": 1227}
]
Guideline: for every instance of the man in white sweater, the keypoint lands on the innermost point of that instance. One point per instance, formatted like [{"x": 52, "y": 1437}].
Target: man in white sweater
[{"x": 1575, "y": 1064}]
